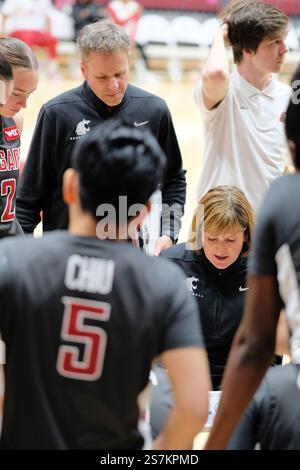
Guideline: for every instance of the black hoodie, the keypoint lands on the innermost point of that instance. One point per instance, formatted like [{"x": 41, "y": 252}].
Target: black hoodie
[{"x": 69, "y": 117}]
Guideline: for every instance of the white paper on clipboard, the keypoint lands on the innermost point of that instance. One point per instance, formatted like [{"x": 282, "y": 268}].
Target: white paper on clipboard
[{"x": 150, "y": 228}]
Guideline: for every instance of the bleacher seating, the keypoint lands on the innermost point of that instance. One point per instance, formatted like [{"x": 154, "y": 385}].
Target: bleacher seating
[
  {"x": 187, "y": 31},
  {"x": 291, "y": 7},
  {"x": 156, "y": 30},
  {"x": 174, "y": 43}
]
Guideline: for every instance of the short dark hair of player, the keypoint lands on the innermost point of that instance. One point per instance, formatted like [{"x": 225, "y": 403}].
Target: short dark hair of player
[
  {"x": 6, "y": 72},
  {"x": 292, "y": 120},
  {"x": 249, "y": 23},
  {"x": 116, "y": 159}
]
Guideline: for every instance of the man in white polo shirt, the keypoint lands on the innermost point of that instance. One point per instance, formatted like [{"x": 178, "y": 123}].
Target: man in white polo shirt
[{"x": 243, "y": 112}]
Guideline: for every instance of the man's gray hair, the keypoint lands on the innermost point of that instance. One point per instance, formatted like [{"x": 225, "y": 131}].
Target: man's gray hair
[{"x": 102, "y": 36}]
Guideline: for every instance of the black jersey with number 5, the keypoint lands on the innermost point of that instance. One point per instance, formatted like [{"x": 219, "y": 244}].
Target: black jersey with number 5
[
  {"x": 82, "y": 320},
  {"x": 9, "y": 175}
]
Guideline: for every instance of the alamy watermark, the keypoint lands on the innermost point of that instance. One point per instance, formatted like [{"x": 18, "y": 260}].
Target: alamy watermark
[
  {"x": 296, "y": 92},
  {"x": 121, "y": 222}
]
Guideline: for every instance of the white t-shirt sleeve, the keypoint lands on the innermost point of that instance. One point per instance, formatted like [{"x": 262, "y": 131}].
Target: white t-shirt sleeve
[{"x": 208, "y": 115}]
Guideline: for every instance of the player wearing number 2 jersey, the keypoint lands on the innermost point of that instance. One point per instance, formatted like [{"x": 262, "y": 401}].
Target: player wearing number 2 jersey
[
  {"x": 6, "y": 84},
  {"x": 9, "y": 174},
  {"x": 24, "y": 69},
  {"x": 84, "y": 318}
]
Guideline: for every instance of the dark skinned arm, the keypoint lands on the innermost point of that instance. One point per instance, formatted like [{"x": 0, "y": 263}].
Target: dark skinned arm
[{"x": 250, "y": 356}]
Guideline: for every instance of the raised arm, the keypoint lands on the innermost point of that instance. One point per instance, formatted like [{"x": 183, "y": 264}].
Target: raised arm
[{"x": 215, "y": 74}]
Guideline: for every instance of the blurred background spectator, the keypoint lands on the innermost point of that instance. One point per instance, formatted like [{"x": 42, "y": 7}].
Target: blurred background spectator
[
  {"x": 127, "y": 13},
  {"x": 30, "y": 21},
  {"x": 85, "y": 12}
]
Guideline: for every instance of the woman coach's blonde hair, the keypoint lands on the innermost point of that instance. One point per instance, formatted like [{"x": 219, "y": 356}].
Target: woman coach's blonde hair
[{"x": 222, "y": 209}]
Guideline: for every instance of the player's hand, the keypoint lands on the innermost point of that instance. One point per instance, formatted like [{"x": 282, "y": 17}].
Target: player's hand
[
  {"x": 224, "y": 31},
  {"x": 162, "y": 243}
]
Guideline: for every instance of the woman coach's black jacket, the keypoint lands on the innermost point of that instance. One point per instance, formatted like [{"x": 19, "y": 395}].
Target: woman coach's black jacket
[{"x": 220, "y": 294}]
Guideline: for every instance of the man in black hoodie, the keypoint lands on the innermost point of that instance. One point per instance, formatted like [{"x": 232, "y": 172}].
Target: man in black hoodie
[{"x": 104, "y": 51}]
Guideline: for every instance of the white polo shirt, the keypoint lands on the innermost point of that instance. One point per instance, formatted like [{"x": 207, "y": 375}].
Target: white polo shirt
[{"x": 245, "y": 143}]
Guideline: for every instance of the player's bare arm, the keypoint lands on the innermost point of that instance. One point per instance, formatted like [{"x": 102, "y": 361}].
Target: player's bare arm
[
  {"x": 189, "y": 376},
  {"x": 250, "y": 356}
]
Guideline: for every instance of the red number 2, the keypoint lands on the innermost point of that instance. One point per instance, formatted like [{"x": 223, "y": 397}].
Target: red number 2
[
  {"x": 8, "y": 188},
  {"x": 91, "y": 338}
]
